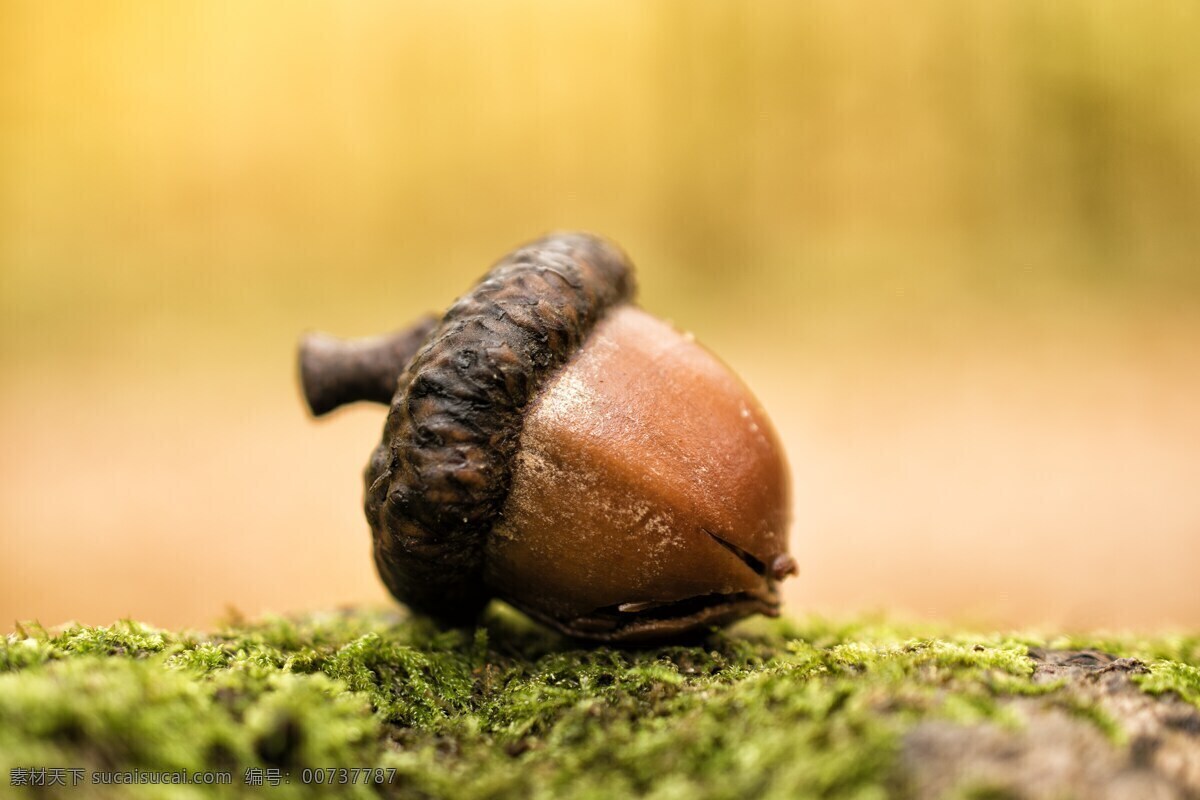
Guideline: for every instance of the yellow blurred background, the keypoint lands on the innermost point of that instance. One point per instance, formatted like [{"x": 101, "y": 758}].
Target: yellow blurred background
[{"x": 953, "y": 247}]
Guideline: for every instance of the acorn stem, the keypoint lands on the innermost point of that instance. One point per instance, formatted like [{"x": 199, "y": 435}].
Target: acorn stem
[{"x": 334, "y": 372}]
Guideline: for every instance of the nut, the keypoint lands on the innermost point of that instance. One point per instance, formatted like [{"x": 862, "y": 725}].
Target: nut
[{"x": 551, "y": 444}]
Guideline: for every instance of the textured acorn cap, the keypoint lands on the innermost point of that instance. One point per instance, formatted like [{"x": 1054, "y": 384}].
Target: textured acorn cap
[{"x": 440, "y": 477}]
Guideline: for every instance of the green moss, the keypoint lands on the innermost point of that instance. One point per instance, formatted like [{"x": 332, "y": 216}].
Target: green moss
[
  {"x": 781, "y": 709},
  {"x": 1171, "y": 676}
]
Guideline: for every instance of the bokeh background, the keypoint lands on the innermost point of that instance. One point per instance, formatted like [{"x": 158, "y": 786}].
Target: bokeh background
[{"x": 953, "y": 247}]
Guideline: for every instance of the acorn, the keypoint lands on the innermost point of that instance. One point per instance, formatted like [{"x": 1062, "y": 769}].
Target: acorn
[{"x": 552, "y": 445}]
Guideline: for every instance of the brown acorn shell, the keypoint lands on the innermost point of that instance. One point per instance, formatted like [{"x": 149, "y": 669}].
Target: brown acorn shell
[{"x": 649, "y": 495}]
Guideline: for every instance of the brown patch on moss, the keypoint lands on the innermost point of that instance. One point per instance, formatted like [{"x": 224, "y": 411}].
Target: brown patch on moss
[{"x": 1098, "y": 736}]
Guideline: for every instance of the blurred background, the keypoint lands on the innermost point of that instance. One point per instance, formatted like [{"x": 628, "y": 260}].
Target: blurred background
[{"x": 954, "y": 249}]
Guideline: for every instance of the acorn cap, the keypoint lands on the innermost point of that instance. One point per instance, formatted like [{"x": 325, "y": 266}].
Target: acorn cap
[{"x": 440, "y": 477}]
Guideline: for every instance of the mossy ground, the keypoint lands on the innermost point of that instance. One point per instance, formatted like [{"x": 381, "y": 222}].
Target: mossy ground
[{"x": 769, "y": 709}]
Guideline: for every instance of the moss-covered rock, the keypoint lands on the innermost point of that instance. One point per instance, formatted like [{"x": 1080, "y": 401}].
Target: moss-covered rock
[{"x": 781, "y": 709}]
